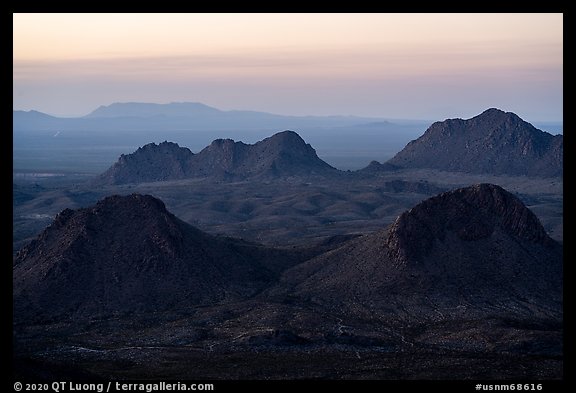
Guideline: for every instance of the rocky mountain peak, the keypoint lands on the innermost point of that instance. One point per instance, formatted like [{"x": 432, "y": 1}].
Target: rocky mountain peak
[
  {"x": 470, "y": 213},
  {"x": 476, "y": 248},
  {"x": 493, "y": 142},
  {"x": 495, "y": 113},
  {"x": 287, "y": 153},
  {"x": 287, "y": 143},
  {"x": 222, "y": 142},
  {"x": 115, "y": 204},
  {"x": 127, "y": 254},
  {"x": 287, "y": 137},
  {"x": 115, "y": 207},
  {"x": 165, "y": 146},
  {"x": 115, "y": 224},
  {"x": 150, "y": 162}
]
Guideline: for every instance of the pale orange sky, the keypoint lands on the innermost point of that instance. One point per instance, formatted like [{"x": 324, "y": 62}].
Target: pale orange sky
[{"x": 429, "y": 66}]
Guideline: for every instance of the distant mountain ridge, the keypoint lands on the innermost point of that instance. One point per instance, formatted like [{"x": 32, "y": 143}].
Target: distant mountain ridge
[
  {"x": 136, "y": 116},
  {"x": 135, "y": 109},
  {"x": 493, "y": 142},
  {"x": 283, "y": 154}
]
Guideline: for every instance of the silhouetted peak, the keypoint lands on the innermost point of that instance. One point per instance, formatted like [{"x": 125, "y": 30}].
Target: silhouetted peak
[
  {"x": 150, "y": 162},
  {"x": 493, "y": 112},
  {"x": 287, "y": 135},
  {"x": 470, "y": 214},
  {"x": 134, "y": 201},
  {"x": 139, "y": 255},
  {"x": 496, "y": 115},
  {"x": 288, "y": 143},
  {"x": 225, "y": 144},
  {"x": 286, "y": 152},
  {"x": 141, "y": 109},
  {"x": 123, "y": 209},
  {"x": 219, "y": 142},
  {"x": 168, "y": 144},
  {"x": 494, "y": 142},
  {"x": 286, "y": 138},
  {"x": 113, "y": 223},
  {"x": 31, "y": 114},
  {"x": 163, "y": 146}
]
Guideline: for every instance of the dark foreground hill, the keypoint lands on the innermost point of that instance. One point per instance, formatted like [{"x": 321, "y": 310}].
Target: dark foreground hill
[
  {"x": 129, "y": 254},
  {"x": 474, "y": 252},
  {"x": 465, "y": 285},
  {"x": 281, "y": 155},
  {"x": 493, "y": 142}
]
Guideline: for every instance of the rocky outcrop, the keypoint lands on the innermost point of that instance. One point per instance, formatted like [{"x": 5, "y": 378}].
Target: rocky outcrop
[
  {"x": 281, "y": 155},
  {"x": 129, "y": 254},
  {"x": 494, "y": 142},
  {"x": 475, "y": 251},
  {"x": 150, "y": 163}
]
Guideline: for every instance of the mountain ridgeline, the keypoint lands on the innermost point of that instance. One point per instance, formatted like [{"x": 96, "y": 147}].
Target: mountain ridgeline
[
  {"x": 494, "y": 142},
  {"x": 138, "y": 116},
  {"x": 283, "y": 154}
]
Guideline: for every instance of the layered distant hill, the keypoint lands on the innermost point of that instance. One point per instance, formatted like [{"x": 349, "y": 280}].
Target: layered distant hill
[
  {"x": 128, "y": 253},
  {"x": 141, "y": 109},
  {"x": 494, "y": 142},
  {"x": 133, "y": 116},
  {"x": 109, "y": 130},
  {"x": 283, "y": 154}
]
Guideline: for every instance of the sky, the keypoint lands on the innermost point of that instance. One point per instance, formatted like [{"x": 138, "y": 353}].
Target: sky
[{"x": 395, "y": 66}]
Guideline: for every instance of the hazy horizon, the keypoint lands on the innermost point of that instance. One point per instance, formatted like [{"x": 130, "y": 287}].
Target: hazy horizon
[
  {"x": 376, "y": 118},
  {"x": 402, "y": 66}
]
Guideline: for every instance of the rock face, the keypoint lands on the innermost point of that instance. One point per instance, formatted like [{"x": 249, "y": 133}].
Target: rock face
[
  {"x": 494, "y": 142},
  {"x": 474, "y": 252},
  {"x": 150, "y": 163},
  {"x": 283, "y": 154},
  {"x": 129, "y": 254}
]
